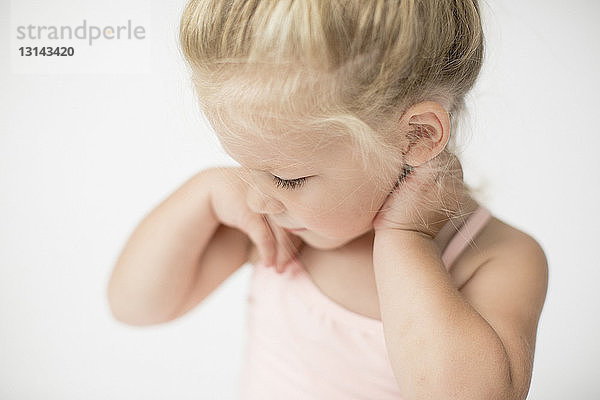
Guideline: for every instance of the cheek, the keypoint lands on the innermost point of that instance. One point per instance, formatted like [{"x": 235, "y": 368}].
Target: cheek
[
  {"x": 369, "y": 200},
  {"x": 351, "y": 210},
  {"x": 343, "y": 219}
]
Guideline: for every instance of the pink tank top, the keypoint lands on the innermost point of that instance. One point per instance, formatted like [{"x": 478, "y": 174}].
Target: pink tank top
[{"x": 303, "y": 345}]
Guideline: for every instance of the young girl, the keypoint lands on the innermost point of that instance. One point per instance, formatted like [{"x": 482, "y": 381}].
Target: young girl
[{"x": 377, "y": 275}]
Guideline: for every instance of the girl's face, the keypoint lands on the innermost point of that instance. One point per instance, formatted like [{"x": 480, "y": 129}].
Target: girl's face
[{"x": 302, "y": 183}]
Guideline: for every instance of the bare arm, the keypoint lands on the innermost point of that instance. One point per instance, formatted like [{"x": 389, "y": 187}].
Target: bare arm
[
  {"x": 158, "y": 269},
  {"x": 439, "y": 345}
]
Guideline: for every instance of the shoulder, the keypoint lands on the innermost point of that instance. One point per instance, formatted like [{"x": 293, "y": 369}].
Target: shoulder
[
  {"x": 508, "y": 290},
  {"x": 515, "y": 272},
  {"x": 512, "y": 255}
]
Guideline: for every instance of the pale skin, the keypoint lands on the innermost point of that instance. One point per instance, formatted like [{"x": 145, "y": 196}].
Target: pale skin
[
  {"x": 475, "y": 339},
  {"x": 485, "y": 350}
]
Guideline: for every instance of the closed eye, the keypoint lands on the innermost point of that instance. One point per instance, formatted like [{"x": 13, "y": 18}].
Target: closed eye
[{"x": 289, "y": 184}]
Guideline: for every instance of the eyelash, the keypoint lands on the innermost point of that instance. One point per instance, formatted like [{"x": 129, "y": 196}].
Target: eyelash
[{"x": 291, "y": 184}]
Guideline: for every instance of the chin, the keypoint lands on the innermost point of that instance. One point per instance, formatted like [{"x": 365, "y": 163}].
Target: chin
[
  {"x": 328, "y": 243},
  {"x": 320, "y": 245}
]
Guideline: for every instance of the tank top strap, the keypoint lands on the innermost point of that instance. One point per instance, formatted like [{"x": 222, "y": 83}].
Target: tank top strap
[{"x": 465, "y": 235}]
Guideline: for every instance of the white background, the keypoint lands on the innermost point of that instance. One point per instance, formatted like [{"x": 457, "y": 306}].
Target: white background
[{"x": 84, "y": 157}]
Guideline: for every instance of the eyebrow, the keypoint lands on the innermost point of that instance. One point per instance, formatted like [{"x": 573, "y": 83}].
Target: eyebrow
[
  {"x": 263, "y": 166},
  {"x": 267, "y": 166},
  {"x": 278, "y": 169},
  {"x": 270, "y": 165}
]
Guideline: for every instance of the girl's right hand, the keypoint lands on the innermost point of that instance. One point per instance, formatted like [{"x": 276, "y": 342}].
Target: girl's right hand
[{"x": 228, "y": 192}]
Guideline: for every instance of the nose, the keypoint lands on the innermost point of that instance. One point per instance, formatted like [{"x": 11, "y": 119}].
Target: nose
[{"x": 261, "y": 203}]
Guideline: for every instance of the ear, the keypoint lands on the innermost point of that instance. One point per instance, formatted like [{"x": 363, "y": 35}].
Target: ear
[{"x": 427, "y": 129}]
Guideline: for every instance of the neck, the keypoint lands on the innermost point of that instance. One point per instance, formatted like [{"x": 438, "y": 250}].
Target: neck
[
  {"x": 442, "y": 231},
  {"x": 445, "y": 230}
]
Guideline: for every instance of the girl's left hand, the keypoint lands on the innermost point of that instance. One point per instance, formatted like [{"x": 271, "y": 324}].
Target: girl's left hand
[{"x": 424, "y": 197}]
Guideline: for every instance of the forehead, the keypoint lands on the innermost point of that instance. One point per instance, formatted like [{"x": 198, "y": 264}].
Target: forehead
[
  {"x": 265, "y": 128},
  {"x": 279, "y": 151},
  {"x": 273, "y": 143}
]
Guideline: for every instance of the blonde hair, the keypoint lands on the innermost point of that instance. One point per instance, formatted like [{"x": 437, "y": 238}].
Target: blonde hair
[{"x": 352, "y": 65}]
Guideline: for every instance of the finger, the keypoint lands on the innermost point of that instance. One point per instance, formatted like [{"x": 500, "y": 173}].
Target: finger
[
  {"x": 287, "y": 247},
  {"x": 282, "y": 245},
  {"x": 261, "y": 235},
  {"x": 278, "y": 239}
]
